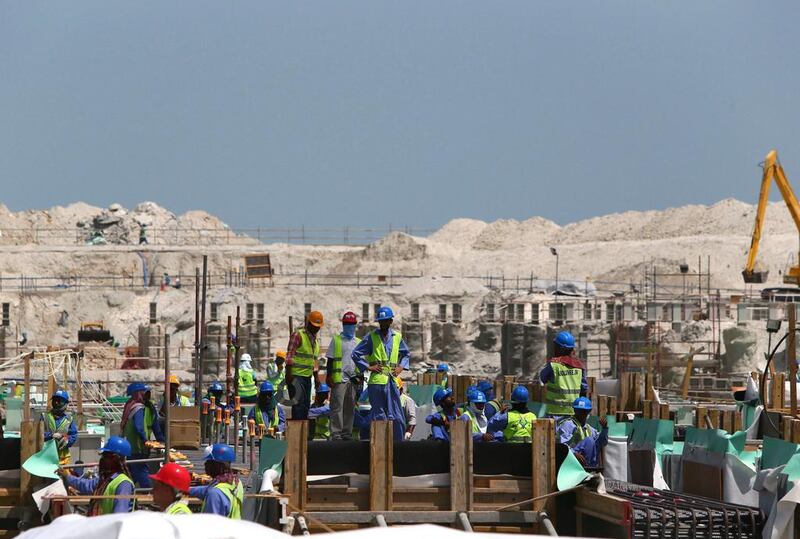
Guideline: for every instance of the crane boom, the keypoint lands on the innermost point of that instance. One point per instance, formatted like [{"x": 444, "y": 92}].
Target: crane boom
[{"x": 772, "y": 170}]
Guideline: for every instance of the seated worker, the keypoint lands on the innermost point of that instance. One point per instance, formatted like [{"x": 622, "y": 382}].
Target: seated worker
[
  {"x": 440, "y": 421},
  {"x": 492, "y": 405},
  {"x": 362, "y": 417},
  {"x": 138, "y": 424},
  {"x": 113, "y": 479},
  {"x": 169, "y": 485},
  {"x": 409, "y": 408},
  {"x": 59, "y": 426},
  {"x": 476, "y": 405},
  {"x": 247, "y": 380},
  {"x": 320, "y": 412},
  {"x": 564, "y": 377},
  {"x": 582, "y": 439},
  {"x": 266, "y": 413},
  {"x": 225, "y": 494},
  {"x": 516, "y": 424}
]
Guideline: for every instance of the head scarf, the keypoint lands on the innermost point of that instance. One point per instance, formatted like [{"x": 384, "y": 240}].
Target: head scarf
[
  {"x": 134, "y": 404},
  {"x": 244, "y": 363}
]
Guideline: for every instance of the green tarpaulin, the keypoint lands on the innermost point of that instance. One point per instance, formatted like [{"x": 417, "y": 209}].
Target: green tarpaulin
[
  {"x": 44, "y": 463},
  {"x": 571, "y": 473}
]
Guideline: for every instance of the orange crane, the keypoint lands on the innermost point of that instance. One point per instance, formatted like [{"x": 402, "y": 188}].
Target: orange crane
[{"x": 772, "y": 170}]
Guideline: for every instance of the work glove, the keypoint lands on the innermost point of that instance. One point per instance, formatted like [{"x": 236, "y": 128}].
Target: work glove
[
  {"x": 57, "y": 436},
  {"x": 407, "y": 436}
]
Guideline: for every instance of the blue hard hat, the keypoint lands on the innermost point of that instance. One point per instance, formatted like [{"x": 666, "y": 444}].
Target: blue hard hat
[
  {"x": 118, "y": 446},
  {"x": 136, "y": 386},
  {"x": 565, "y": 339},
  {"x": 216, "y": 386},
  {"x": 266, "y": 387},
  {"x": 520, "y": 394},
  {"x": 582, "y": 403},
  {"x": 442, "y": 367},
  {"x": 221, "y": 453},
  {"x": 440, "y": 395},
  {"x": 61, "y": 394},
  {"x": 476, "y": 397},
  {"x": 484, "y": 386},
  {"x": 323, "y": 388},
  {"x": 384, "y": 313}
]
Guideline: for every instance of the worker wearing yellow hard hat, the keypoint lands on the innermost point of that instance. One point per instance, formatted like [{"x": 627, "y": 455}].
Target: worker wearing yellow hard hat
[
  {"x": 276, "y": 375},
  {"x": 302, "y": 357}
]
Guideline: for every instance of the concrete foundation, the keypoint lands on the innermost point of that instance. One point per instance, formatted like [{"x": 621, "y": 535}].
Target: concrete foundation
[
  {"x": 151, "y": 341},
  {"x": 490, "y": 335},
  {"x": 448, "y": 342},
  {"x": 414, "y": 336}
]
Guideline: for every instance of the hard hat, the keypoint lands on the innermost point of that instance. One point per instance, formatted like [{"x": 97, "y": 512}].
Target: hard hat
[
  {"x": 582, "y": 403},
  {"x": 216, "y": 386},
  {"x": 323, "y": 388},
  {"x": 565, "y": 339},
  {"x": 349, "y": 318},
  {"x": 520, "y": 394},
  {"x": 281, "y": 354},
  {"x": 61, "y": 394},
  {"x": 477, "y": 397},
  {"x": 384, "y": 313},
  {"x": 484, "y": 386},
  {"x": 136, "y": 386},
  {"x": 174, "y": 475},
  {"x": 221, "y": 453},
  {"x": 245, "y": 358},
  {"x": 315, "y": 319},
  {"x": 174, "y": 380},
  {"x": 440, "y": 395},
  {"x": 442, "y": 367},
  {"x": 266, "y": 387},
  {"x": 118, "y": 446}
]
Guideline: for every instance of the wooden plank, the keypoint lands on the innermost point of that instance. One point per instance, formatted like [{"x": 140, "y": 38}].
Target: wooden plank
[
  {"x": 715, "y": 415},
  {"x": 624, "y": 390},
  {"x": 461, "y": 483},
  {"x": 795, "y": 434},
  {"x": 699, "y": 417},
  {"x": 79, "y": 390},
  {"x": 647, "y": 409},
  {"x": 381, "y": 456},
  {"x": 31, "y": 434},
  {"x": 663, "y": 411},
  {"x": 791, "y": 358},
  {"x": 295, "y": 463},
  {"x": 544, "y": 464},
  {"x": 636, "y": 391},
  {"x": 612, "y": 405},
  {"x": 26, "y": 406}
]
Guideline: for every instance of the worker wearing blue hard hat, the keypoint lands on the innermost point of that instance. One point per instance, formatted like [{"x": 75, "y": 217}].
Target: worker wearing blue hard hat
[
  {"x": 564, "y": 377},
  {"x": 475, "y": 412},
  {"x": 266, "y": 413},
  {"x": 448, "y": 412},
  {"x": 59, "y": 425},
  {"x": 139, "y": 425},
  {"x": 225, "y": 494},
  {"x": 583, "y": 440},
  {"x": 444, "y": 368},
  {"x": 112, "y": 479},
  {"x": 492, "y": 405},
  {"x": 384, "y": 355},
  {"x": 516, "y": 424},
  {"x": 361, "y": 417},
  {"x": 320, "y": 413}
]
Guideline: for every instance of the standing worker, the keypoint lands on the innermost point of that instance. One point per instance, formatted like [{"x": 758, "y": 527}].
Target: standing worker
[
  {"x": 516, "y": 424},
  {"x": 59, "y": 426},
  {"x": 276, "y": 375},
  {"x": 564, "y": 377},
  {"x": 247, "y": 389},
  {"x": 266, "y": 413},
  {"x": 113, "y": 479},
  {"x": 301, "y": 362},
  {"x": 225, "y": 494},
  {"x": 409, "y": 410},
  {"x": 385, "y": 355},
  {"x": 582, "y": 439},
  {"x": 444, "y": 368},
  {"x": 343, "y": 378},
  {"x": 137, "y": 426},
  {"x": 320, "y": 412},
  {"x": 169, "y": 485}
]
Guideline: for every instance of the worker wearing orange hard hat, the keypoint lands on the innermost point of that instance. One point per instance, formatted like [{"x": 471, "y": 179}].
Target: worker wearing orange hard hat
[
  {"x": 276, "y": 374},
  {"x": 170, "y": 484},
  {"x": 302, "y": 357}
]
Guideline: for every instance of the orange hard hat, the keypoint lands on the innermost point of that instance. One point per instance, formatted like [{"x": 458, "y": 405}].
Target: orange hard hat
[
  {"x": 315, "y": 318},
  {"x": 281, "y": 354},
  {"x": 173, "y": 475},
  {"x": 174, "y": 380}
]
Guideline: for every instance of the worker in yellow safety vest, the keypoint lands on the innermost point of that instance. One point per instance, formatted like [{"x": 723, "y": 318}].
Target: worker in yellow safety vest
[
  {"x": 564, "y": 377},
  {"x": 169, "y": 486},
  {"x": 59, "y": 426},
  {"x": 247, "y": 386},
  {"x": 225, "y": 494},
  {"x": 320, "y": 412},
  {"x": 515, "y": 424},
  {"x": 301, "y": 362},
  {"x": 266, "y": 413}
]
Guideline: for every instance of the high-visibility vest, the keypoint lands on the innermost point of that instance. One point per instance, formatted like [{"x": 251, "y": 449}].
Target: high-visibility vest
[
  {"x": 562, "y": 391},
  {"x": 235, "y": 496},
  {"x": 277, "y": 381},
  {"x": 336, "y": 365},
  {"x": 473, "y": 421},
  {"x": 132, "y": 435},
  {"x": 519, "y": 427},
  {"x": 178, "y": 508},
  {"x": 305, "y": 355},
  {"x": 260, "y": 419},
  {"x": 378, "y": 356},
  {"x": 106, "y": 506},
  {"x": 247, "y": 384},
  {"x": 322, "y": 428},
  {"x": 63, "y": 427},
  {"x": 494, "y": 403},
  {"x": 580, "y": 432}
]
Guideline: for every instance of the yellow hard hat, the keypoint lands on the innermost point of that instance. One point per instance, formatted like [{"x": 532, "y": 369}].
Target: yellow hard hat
[
  {"x": 315, "y": 319},
  {"x": 174, "y": 380},
  {"x": 281, "y": 354}
]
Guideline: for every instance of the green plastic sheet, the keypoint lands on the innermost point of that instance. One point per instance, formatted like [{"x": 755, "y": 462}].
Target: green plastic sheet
[
  {"x": 615, "y": 428},
  {"x": 538, "y": 408},
  {"x": 716, "y": 441},
  {"x": 571, "y": 473},
  {"x": 44, "y": 463},
  {"x": 777, "y": 452},
  {"x": 271, "y": 454},
  {"x": 422, "y": 395}
]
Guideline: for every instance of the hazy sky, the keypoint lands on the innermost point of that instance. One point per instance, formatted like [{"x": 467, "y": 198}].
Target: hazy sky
[{"x": 410, "y": 113}]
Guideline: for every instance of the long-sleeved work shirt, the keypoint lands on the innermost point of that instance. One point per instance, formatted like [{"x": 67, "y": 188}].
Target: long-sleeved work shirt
[
  {"x": 319, "y": 411},
  {"x": 442, "y": 432},
  {"x": 267, "y": 418},
  {"x": 72, "y": 432},
  {"x": 215, "y": 501},
  {"x": 294, "y": 344},
  {"x": 589, "y": 447},
  {"x": 87, "y": 486},
  {"x": 138, "y": 423},
  {"x": 410, "y": 409},
  {"x": 364, "y": 350}
]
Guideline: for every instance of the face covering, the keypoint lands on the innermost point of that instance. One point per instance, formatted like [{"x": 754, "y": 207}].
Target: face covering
[{"x": 349, "y": 330}]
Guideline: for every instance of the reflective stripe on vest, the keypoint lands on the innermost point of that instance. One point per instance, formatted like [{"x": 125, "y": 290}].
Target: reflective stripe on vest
[
  {"x": 132, "y": 435},
  {"x": 336, "y": 360},
  {"x": 378, "y": 356},
  {"x": 235, "y": 496},
  {"x": 519, "y": 427},
  {"x": 106, "y": 506},
  {"x": 322, "y": 428},
  {"x": 563, "y": 390},
  {"x": 247, "y": 384},
  {"x": 178, "y": 508},
  {"x": 475, "y": 428},
  {"x": 259, "y": 416},
  {"x": 63, "y": 428},
  {"x": 580, "y": 433},
  {"x": 305, "y": 355}
]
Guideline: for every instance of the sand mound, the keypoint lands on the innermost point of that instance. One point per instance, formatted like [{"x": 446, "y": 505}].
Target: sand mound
[{"x": 395, "y": 246}]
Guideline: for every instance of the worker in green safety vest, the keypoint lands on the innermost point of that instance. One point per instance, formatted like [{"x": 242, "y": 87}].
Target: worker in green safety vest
[
  {"x": 343, "y": 378},
  {"x": 320, "y": 412},
  {"x": 301, "y": 363},
  {"x": 169, "y": 486},
  {"x": 112, "y": 479},
  {"x": 247, "y": 387},
  {"x": 515, "y": 424},
  {"x": 475, "y": 411},
  {"x": 266, "y": 413},
  {"x": 276, "y": 375},
  {"x": 59, "y": 426},
  {"x": 139, "y": 425},
  {"x": 582, "y": 439},
  {"x": 564, "y": 377},
  {"x": 225, "y": 494}
]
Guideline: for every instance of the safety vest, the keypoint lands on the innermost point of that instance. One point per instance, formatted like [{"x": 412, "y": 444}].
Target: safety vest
[
  {"x": 63, "y": 427},
  {"x": 519, "y": 427},
  {"x": 378, "y": 356},
  {"x": 563, "y": 390},
  {"x": 277, "y": 381},
  {"x": 322, "y": 428},
  {"x": 132, "y": 435},
  {"x": 235, "y": 496},
  {"x": 494, "y": 403},
  {"x": 473, "y": 421},
  {"x": 260, "y": 419},
  {"x": 106, "y": 506},
  {"x": 247, "y": 384},
  {"x": 305, "y": 355},
  {"x": 178, "y": 508},
  {"x": 336, "y": 365},
  {"x": 580, "y": 433}
]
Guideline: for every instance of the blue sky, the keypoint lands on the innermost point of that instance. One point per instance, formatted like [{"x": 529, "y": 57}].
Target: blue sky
[{"x": 405, "y": 113}]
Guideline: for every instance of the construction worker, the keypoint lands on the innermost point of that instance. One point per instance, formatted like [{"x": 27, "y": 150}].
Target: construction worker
[
  {"x": 448, "y": 412},
  {"x": 409, "y": 410},
  {"x": 266, "y": 413},
  {"x": 301, "y": 362},
  {"x": 361, "y": 417},
  {"x": 385, "y": 355},
  {"x": 443, "y": 368},
  {"x": 59, "y": 426},
  {"x": 343, "y": 378},
  {"x": 247, "y": 388},
  {"x": 138, "y": 424},
  {"x": 492, "y": 405},
  {"x": 225, "y": 494},
  {"x": 564, "y": 377},
  {"x": 113, "y": 479},
  {"x": 516, "y": 425},
  {"x": 320, "y": 412},
  {"x": 582, "y": 439},
  {"x": 175, "y": 399},
  {"x": 169, "y": 485},
  {"x": 276, "y": 375},
  {"x": 475, "y": 411}
]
